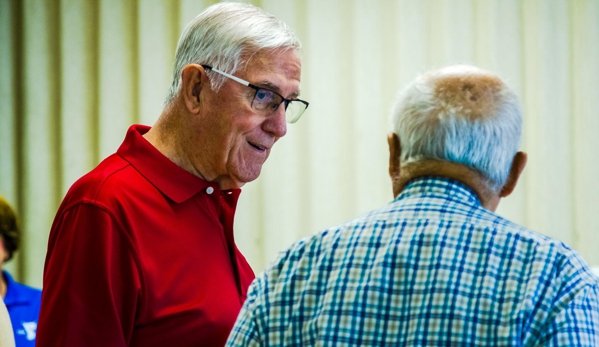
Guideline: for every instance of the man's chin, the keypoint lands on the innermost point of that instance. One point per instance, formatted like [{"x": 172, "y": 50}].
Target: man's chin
[
  {"x": 249, "y": 177},
  {"x": 239, "y": 179}
]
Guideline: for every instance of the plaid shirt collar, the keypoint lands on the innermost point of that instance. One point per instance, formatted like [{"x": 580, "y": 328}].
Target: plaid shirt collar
[{"x": 439, "y": 187}]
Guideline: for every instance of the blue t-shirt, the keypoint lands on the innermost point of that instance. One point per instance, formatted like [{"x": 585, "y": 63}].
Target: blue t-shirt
[{"x": 23, "y": 304}]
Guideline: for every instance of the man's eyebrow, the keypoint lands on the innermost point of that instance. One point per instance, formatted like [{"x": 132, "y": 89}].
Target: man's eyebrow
[{"x": 274, "y": 88}]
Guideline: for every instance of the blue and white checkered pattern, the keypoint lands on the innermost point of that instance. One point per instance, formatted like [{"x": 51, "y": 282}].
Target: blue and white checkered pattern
[{"x": 433, "y": 268}]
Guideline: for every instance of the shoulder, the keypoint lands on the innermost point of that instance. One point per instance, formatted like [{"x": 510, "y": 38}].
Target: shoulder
[
  {"x": 90, "y": 185},
  {"x": 563, "y": 300},
  {"x": 28, "y": 293},
  {"x": 314, "y": 258},
  {"x": 555, "y": 255},
  {"x": 565, "y": 270},
  {"x": 23, "y": 291},
  {"x": 532, "y": 255},
  {"x": 546, "y": 260},
  {"x": 101, "y": 197},
  {"x": 113, "y": 181},
  {"x": 555, "y": 275}
]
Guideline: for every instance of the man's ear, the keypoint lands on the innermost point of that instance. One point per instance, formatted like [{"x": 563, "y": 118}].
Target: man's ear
[
  {"x": 394, "y": 162},
  {"x": 193, "y": 77},
  {"x": 518, "y": 165}
]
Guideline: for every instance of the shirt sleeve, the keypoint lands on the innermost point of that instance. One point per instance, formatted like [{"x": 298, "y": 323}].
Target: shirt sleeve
[
  {"x": 246, "y": 329},
  {"x": 92, "y": 285},
  {"x": 577, "y": 324}
]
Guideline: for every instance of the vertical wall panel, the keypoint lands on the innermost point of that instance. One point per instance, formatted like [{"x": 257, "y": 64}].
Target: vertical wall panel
[
  {"x": 484, "y": 32},
  {"x": 437, "y": 39},
  {"x": 8, "y": 105},
  {"x": 157, "y": 30},
  {"x": 330, "y": 76},
  {"x": 584, "y": 156},
  {"x": 390, "y": 76},
  {"x": 547, "y": 79},
  {"x": 413, "y": 37},
  {"x": 370, "y": 110},
  {"x": 450, "y": 33},
  {"x": 453, "y": 32},
  {"x": 8, "y": 111},
  {"x": 79, "y": 89},
  {"x": 118, "y": 94},
  {"x": 40, "y": 116}
]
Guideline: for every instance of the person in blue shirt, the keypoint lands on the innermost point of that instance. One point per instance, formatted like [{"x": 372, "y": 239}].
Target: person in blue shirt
[{"x": 22, "y": 302}]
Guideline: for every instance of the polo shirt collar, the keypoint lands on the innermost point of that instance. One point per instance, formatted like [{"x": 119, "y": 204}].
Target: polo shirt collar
[
  {"x": 12, "y": 293},
  {"x": 172, "y": 180}
]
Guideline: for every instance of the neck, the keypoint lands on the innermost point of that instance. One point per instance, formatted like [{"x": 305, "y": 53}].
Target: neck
[
  {"x": 177, "y": 134},
  {"x": 469, "y": 177},
  {"x": 166, "y": 137}
]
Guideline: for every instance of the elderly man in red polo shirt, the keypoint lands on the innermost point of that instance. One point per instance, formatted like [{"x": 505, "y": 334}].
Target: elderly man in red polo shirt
[{"x": 141, "y": 252}]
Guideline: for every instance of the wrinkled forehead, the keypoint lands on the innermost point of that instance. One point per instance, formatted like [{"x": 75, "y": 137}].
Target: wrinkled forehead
[
  {"x": 279, "y": 70},
  {"x": 270, "y": 56},
  {"x": 473, "y": 91}
]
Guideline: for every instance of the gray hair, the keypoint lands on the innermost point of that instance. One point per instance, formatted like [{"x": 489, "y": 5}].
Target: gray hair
[
  {"x": 460, "y": 114},
  {"x": 224, "y": 36}
]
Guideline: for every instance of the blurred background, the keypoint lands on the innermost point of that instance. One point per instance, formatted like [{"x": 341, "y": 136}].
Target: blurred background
[{"x": 74, "y": 74}]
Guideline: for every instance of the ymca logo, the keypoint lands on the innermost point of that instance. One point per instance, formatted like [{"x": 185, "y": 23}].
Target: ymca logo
[{"x": 29, "y": 330}]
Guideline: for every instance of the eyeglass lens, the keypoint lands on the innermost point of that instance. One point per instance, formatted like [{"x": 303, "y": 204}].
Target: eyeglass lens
[{"x": 267, "y": 100}]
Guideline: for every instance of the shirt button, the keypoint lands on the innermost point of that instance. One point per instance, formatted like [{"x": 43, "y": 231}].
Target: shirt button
[{"x": 209, "y": 190}]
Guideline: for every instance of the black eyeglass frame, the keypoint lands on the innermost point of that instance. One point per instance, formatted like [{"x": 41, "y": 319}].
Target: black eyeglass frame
[{"x": 257, "y": 89}]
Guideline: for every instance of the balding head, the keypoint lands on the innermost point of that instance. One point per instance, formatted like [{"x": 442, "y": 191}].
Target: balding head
[
  {"x": 470, "y": 92},
  {"x": 460, "y": 114}
]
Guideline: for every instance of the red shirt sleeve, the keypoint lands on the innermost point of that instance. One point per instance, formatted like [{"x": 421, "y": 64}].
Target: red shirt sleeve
[{"x": 92, "y": 285}]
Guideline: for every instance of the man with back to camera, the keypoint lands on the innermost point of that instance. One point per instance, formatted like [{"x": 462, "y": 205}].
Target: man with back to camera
[
  {"x": 437, "y": 266},
  {"x": 141, "y": 252}
]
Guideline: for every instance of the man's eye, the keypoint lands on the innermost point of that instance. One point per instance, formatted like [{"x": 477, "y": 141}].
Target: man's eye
[{"x": 262, "y": 94}]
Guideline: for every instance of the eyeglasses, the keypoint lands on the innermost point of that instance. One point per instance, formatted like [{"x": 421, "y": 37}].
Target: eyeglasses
[{"x": 266, "y": 100}]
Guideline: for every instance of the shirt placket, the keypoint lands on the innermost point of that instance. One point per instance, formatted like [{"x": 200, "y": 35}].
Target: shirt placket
[{"x": 228, "y": 201}]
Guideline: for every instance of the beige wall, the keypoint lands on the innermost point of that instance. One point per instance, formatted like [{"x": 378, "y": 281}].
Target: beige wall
[{"x": 74, "y": 74}]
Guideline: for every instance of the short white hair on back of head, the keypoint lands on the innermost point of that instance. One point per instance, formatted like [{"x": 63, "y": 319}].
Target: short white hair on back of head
[
  {"x": 460, "y": 114},
  {"x": 225, "y": 36}
]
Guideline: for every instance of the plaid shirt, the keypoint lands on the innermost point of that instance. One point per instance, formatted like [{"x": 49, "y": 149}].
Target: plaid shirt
[{"x": 433, "y": 268}]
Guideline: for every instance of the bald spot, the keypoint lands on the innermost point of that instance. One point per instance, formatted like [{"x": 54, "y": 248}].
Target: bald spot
[{"x": 470, "y": 95}]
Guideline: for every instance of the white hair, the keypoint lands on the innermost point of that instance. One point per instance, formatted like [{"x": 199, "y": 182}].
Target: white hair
[
  {"x": 460, "y": 114},
  {"x": 225, "y": 36}
]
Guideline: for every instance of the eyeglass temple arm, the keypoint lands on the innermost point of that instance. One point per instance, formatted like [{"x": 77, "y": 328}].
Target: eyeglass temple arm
[{"x": 245, "y": 83}]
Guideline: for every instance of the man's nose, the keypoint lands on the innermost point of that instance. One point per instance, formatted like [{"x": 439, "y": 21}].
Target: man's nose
[{"x": 276, "y": 123}]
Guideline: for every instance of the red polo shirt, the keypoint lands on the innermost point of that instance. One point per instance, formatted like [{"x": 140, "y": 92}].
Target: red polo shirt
[{"x": 141, "y": 253}]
